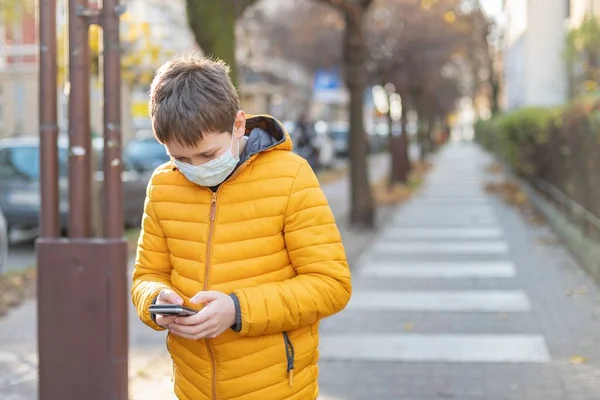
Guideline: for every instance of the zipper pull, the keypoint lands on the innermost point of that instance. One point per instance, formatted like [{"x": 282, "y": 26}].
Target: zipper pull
[
  {"x": 291, "y": 377},
  {"x": 213, "y": 207}
]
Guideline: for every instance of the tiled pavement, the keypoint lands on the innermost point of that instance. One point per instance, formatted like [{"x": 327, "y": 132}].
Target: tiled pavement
[{"x": 460, "y": 298}]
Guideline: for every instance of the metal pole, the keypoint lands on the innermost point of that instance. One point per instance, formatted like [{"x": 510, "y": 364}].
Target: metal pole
[
  {"x": 49, "y": 219},
  {"x": 113, "y": 186},
  {"x": 80, "y": 168}
]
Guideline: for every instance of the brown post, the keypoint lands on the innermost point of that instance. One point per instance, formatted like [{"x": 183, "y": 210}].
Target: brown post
[
  {"x": 80, "y": 157},
  {"x": 113, "y": 188},
  {"x": 82, "y": 281},
  {"x": 49, "y": 221}
]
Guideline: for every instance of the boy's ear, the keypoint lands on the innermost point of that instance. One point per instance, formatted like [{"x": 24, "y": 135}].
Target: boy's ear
[{"x": 240, "y": 124}]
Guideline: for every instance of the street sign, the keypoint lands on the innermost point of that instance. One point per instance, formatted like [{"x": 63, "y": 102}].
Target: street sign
[{"x": 328, "y": 86}]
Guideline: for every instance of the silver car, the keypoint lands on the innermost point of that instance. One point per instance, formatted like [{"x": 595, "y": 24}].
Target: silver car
[
  {"x": 3, "y": 242},
  {"x": 20, "y": 183}
]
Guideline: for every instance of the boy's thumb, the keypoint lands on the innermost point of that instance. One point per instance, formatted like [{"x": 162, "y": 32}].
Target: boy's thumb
[
  {"x": 171, "y": 297},
  {"x": 204, "y": 297}
]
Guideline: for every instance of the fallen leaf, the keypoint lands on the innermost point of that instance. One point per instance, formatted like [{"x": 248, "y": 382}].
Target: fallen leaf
[
  {"x": 550, "y": 240},
  {"x": 580, "y": 291},
  {"x": 577, "y": 360},
  {"x": 15, "y": 288},
  {"x": 494, "y": 168},
  {"x": 409, "y": 327},
  {"x": 143, "y": 374}
]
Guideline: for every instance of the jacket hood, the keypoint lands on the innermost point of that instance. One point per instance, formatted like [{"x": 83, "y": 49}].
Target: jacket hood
[{"x": 264, "y": 133}]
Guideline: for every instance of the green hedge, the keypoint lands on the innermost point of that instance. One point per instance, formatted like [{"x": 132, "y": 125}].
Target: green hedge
[
  {"x": 514, "y": 135},
  {"x": 559, "y": 145}
]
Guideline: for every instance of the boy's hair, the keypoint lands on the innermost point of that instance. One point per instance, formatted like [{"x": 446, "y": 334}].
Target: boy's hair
[{"x": 191, "y": 96}]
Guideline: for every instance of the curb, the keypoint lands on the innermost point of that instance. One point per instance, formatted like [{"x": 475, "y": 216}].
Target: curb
[{"x": 583, "y": 249}]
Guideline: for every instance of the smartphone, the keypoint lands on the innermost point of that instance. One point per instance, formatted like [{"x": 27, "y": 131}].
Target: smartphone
[{"x": 171, "y": 309}]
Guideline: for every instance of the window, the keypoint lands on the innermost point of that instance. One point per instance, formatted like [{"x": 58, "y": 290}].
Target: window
[
  {"x": 6, "y": 169},
  {"x": 1, "y": 109},
  {"x": 24, "y": 162}
]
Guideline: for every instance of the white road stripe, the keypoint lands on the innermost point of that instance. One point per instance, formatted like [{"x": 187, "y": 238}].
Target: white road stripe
[
  {"x": 445, "y": 270},
  {"x": 442, "y": 233},
  {"x": 436, "y": 348},
  {"x": 453, "y": 200},
  {"x": 462, "y": 248},
  {"x": 440, "y": 301}
]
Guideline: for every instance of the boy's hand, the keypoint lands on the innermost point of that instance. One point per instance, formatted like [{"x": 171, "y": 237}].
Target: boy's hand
[
  {"x": 167, "y": 296},
  {"x": 217, "y": 316}
]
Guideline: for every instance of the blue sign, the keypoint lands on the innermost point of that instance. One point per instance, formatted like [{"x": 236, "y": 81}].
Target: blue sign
[{"x": 327, "y": 79}]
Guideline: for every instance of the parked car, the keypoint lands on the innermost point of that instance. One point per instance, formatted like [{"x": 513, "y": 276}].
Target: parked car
[
  {"x": 340, "y": 134},
  {"x": 20, "y": 183},
  {"x": 3, "y": 242},
  {"x": 324, "y": 143},
  {"x": 145, "y": 155}
]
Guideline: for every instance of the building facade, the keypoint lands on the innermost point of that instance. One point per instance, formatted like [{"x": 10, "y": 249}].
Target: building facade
[{"x": 534, "y": 66}]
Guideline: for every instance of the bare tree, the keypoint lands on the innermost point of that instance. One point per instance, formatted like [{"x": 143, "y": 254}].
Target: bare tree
[
  {"x": 431, "y": 52},
  {"x": 213, "y": 25},
  {"x": 362, "y": 209}
]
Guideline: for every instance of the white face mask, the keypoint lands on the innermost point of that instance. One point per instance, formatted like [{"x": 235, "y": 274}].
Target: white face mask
[{"x": 213, "y": 172}]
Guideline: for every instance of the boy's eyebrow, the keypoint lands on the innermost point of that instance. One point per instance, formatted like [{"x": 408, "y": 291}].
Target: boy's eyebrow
[
  {"x": 208, "y": 152},
  {"x": 204, "y": 153}
]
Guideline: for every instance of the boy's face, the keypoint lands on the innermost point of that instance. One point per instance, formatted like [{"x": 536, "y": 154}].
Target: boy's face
[{"x": 213, "y": 145}]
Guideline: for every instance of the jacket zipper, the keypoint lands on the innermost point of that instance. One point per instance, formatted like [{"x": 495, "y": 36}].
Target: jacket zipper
[
  {"x": 289, "y": 354},
  {"x": 212, "y": 215},
  {"x": 213, "y": 209}
]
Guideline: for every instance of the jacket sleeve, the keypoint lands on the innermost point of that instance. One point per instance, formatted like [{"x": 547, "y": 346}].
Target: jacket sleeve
[
  {"x": 152, "y": 271},
  {"x": 322, "y": 286}
]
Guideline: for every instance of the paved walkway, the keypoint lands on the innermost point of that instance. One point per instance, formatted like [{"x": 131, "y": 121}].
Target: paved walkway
[{"x": 459, "y": 298}]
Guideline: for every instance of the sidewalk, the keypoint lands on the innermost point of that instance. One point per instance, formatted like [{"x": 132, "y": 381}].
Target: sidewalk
[
  {"x": 460, "y": 298},
  {"x": 150, "y": 365}
]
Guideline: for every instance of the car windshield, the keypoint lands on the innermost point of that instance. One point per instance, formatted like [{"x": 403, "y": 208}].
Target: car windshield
[
  {"x": 339, "y": 133},
  {"x": 27, "y": 161},
  {"x": 146, "y": 148}
]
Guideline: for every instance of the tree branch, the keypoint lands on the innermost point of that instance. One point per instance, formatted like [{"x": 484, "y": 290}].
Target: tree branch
[
  {"x": 241, "y": 5},
  {"x": 353, "y": 9}
]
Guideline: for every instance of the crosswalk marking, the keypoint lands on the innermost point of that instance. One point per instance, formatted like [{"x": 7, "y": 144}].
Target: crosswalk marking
[
  {"x": 447, "y": 236},
  {"x": 436, "y": 348},
  {"x": 442, "y": 232},
  {"x": 453, "y": 200},
  {"x": 439, "y": 300},
  {"x": 460, "y": 221},
  {"x": 443, "y": 270},
  {"x": 463, "y": 248}
]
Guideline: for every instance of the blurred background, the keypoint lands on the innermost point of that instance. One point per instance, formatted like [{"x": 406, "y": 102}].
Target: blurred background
[{"x": 377, "y": 95}]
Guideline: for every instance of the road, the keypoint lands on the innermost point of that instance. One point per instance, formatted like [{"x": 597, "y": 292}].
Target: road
[{"x": 459, "y": 297}]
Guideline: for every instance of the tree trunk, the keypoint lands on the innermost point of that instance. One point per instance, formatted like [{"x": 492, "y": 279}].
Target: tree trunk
[
  {"x": 213, "y": 25},
  {"x": 391, "y": 177},
  {"x": 431, "y": 139},
  {"x": 400, "y": 159},
  {"x": 422, "y": 145},
  {"x": 362, "y": 212}
]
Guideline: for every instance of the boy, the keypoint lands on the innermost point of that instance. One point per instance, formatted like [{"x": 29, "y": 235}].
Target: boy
[{"x": 236, "y": 226}]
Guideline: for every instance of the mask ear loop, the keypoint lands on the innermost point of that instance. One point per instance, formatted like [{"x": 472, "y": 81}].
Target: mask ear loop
[{"x": 236, "y": 155}]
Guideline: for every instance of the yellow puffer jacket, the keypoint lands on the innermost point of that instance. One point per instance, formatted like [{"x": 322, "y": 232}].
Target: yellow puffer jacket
[{"x": 267, "y": 236}]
